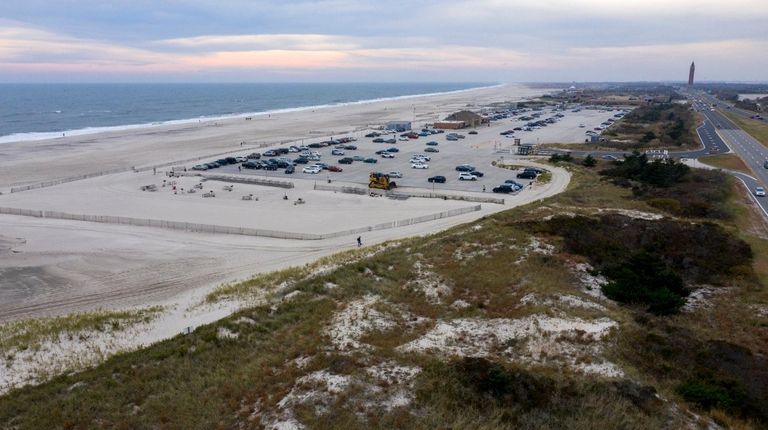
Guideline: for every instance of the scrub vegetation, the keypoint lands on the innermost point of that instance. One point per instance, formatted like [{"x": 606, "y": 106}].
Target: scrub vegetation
[{"x": 592, "y": 309}]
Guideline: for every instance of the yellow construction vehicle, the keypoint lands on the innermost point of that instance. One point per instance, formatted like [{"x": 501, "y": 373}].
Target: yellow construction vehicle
[{"x": 380, "y": 181}]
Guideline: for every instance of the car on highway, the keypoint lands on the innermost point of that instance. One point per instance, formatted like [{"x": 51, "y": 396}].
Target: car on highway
[
  {"x": 370, "y": 160},
  {"x": 431, "y": 149},
  {"x": 437, "y": 179},
  {"x": 419, "y": 166},
  {"x": 395, "y": 174},
  {"x": 760, "y": 192},
  {"x": 466, "y": 176},
  {"x": 313, "y": 170}
]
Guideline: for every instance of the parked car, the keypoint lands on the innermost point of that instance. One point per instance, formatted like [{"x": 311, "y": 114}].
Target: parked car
[
  {"x": 466, "y": 176},
  {"x": 200, "y": 167},
  {"x": 346, "y": 160},
  {"x": 431, "y": 149},
  {"x": 432, "y": 143},
  {"x": 395, "y": 174},
  {"x": 289, "y": 170},
  {"x": 373, "y": 134},
  {"x": 358, "y": 158},
  {"x": 240, "y": 159},
  {"x": 301, "y": 160},
  {"x": 437, "y": 179},
  {"x": 464, "y": 168},
  {"x": 370, "y": 160},
  {"x": 313, "y": 170},
  {"x": 335, "y": 169},
  {"x": 392, "y": 140},
  {"x": 337, "y": 151},
  {"x": 392, "y": 149},
  {"x": 386, "y": 154},
  {"x": 378, "y": 140},
  {"x": 527, "y": 174},
  {"x": 270, "y": 153},
  {"x": 349, "y": 147},
  {"x": 504, "y": 188},
  {"x": 419, "y": 166},
  {"x": 293, "y": 149},
  {"x": 513, "y": 183},
  {"x": 472, "y": 132},
  {"x": 478, "y": 173},
  {"x": 254, "y": 156}
]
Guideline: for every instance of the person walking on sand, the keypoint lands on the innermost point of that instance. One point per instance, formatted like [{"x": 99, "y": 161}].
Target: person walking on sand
[
  {"x": 359, "y": 241},
  {"x": 483, "y": 188}
]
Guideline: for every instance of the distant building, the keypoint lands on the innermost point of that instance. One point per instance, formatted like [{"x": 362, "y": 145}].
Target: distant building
[
  {"x": 449, "y": 125},
  {"x": 691, "y": 73},
  {"x": 471, "y": 119},
  {"x": 398, "y": 126}
]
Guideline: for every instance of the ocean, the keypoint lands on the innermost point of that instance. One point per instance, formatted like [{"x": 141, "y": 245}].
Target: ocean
[{"x": 41, "y": 111}]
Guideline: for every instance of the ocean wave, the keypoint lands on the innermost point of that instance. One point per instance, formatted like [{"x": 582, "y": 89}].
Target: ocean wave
[{"x": 33, "y": 136}]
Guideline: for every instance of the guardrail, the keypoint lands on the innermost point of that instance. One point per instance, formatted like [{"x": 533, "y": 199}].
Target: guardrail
[
  {"x": 425, "y": 194},
  {"x": 245, "y": 231}
]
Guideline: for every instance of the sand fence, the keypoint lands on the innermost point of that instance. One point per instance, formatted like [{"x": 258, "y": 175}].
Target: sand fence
[
  {"x": 219, "y": 229},
  {"x": 410, "y": 193}
]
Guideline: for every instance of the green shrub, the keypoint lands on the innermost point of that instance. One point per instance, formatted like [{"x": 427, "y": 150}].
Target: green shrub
[
  {"x": 647, "y": 280},
  {"x": 707, "y": 394}
]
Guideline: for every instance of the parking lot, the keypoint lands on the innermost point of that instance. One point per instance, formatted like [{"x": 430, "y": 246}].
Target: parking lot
[{"x": 478, "y": 150}]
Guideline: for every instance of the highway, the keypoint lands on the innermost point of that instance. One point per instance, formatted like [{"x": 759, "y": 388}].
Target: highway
[{"x": 718, "y": 135}]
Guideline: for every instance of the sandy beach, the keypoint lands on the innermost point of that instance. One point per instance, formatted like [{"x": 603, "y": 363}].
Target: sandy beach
[
  {"x": 54, "y": 266},
  {"x": 23, "y": 162}
]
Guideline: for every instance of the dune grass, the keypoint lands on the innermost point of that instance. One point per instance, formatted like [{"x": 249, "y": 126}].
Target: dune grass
[
  {"x": 727, "y": 162},
  {"x": 206, "y": 380},
  {"x": 31, "y": 333}
]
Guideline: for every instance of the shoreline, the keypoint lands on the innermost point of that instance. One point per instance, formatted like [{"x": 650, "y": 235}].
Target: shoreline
[{"x": 35, "y": 136}]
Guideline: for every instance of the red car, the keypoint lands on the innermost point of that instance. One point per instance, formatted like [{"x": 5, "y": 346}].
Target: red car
[{"x": 335, "y": 169}]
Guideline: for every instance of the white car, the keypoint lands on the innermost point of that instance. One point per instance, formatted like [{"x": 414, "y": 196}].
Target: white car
[
  {"x": 417, "y": 159},
  {"x": 313, "y": 170},
  {"x": 313, "y": 157},
  {"x": 395, "y": 174},
  {"x": 293, "y": 149},
  {"x": 419, "y": 166},
  {"x": 423, "y": 157},
  {"x": 241, "y": 159},
  {"x": 337, "y": 152},
  {"x": 760, "y": 192},
  {"x": 466, "y": 176},
  {"x": 387, "y": 155},
  {"x": 403, "y": 139}
]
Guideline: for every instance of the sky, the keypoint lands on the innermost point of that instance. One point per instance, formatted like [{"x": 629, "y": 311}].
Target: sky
[{"x": 382, "y": 41}]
